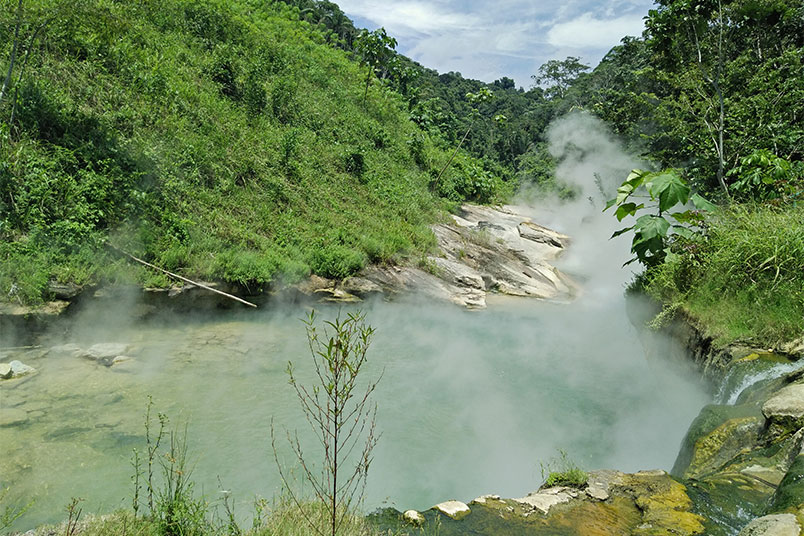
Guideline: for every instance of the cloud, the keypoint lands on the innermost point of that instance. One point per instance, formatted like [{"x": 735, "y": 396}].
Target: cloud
[
  {"x": 489, "y": 40},
  {"x": 588, "y": 32},
  {"x": 411, "y": 18}
]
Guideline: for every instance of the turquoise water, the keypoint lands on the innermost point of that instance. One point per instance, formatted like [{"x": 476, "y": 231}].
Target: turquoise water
[{"x": 469, "y": 402}]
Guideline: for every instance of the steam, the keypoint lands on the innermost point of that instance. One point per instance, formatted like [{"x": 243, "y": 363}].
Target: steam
[{"x": 469, "y": 403}]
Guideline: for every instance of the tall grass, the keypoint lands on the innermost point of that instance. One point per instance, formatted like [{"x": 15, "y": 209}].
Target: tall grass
[{"x": 745, "y": 282}]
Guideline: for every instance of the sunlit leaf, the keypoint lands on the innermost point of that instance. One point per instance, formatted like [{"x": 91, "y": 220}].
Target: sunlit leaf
[{"x": 701, "y": 203}]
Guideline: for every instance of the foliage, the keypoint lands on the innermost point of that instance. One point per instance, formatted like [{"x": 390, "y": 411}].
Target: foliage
[
  {"x": 743, "y": 283},
  {"x": 375, "y": 50},
  {"x": 763, "y": 176},
  {"x": 559, "y": 75},
  {"x": 220, "y": 140},
  {"x": 10, "y": 512},
  {"x": 171, "y": 506},
  {"x": 654, "y": 232},
  {"x": 341, "y": 417}
]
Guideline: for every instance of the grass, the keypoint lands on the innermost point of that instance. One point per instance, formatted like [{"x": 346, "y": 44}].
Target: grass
[
  {"x": 283, "y": 519},
  {"x": 563, "y": 472},
  {"x": 745, "y": 282},
  {"x": 218, "y": 139}
]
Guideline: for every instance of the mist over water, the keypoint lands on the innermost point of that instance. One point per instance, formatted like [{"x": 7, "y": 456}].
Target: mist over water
[{"x": 469, "y": 402}]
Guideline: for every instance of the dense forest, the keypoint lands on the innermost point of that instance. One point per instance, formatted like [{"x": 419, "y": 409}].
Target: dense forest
[{"x": 257, "y": 142}]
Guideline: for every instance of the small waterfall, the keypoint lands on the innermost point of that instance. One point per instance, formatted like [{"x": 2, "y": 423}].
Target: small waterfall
[{"x": 728, "y": 393}]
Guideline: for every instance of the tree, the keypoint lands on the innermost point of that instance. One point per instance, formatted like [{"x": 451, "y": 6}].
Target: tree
[
  {"x": 558, "y": 75},
  {"x": 375, "y": 50},
  {"x": 341, "y": 416}
]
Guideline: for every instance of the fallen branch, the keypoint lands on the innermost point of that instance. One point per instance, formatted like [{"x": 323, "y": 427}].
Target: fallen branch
[{"x": 177, "y": 276}]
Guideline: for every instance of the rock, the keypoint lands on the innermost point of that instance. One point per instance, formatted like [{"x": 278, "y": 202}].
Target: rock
[
  {"x": 536, "y": 233},
  {"x": 63, "y": 291},
  {"x": 773, "y": 525},
  {"x": 453, "y": 509},
  {"x": 12, "y": 417},
  {"x": 120, "y": 359},
  {"x": 790, "y": 493},
  {"x": 53, "y": 308},
  {"x": 717, "y": 434},
  {"x": 108, "y": 350},
  {"x": 483, "y": 498},
  {"x": 794, "y": 348},
  {"x": 543, "y": 500},
  {"x": 5, "y": 371},
  {"x": 18, "y": 368},
  {"x": 360, "y": 286},
  {"x": 786, "y": 407},
  {"x": 66, "y": 349},
  {"x": 599, "y": 483},
  {"x": 412, "y": 517}
]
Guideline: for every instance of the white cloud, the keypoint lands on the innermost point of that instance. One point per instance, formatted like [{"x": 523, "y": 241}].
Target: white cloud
[
  {"x": 588, "y": 32},
  {"x": 489, "y": 40}
]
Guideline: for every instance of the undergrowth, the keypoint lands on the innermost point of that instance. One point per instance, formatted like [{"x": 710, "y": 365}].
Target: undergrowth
[
  {"x": 745, "y": 280},
  {"x": 217, "y": 139}
]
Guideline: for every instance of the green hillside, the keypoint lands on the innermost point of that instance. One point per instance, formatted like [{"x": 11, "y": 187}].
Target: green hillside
[{"x": 223, "y": 140}]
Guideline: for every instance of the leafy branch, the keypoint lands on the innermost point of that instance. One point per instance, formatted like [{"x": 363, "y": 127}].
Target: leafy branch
[{"x": 653, "y": 232}]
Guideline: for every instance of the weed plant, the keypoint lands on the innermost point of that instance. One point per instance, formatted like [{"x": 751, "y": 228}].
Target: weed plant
[{"x": 563, "y": 472}]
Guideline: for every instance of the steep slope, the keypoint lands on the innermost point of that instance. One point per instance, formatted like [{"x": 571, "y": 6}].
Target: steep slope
[{"x": 219, "y": 139}]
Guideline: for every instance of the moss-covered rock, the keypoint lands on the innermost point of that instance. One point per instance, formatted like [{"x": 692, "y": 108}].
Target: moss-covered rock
[
  {"x": 789, "y": 497},
  {"x": 718, "y": 434}
]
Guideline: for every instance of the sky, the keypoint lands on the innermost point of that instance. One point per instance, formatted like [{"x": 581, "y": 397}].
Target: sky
[{"x": 488, "y": 40}]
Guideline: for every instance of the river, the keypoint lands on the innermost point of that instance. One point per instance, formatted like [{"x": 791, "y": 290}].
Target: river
[{"x": 470, "y": 402}]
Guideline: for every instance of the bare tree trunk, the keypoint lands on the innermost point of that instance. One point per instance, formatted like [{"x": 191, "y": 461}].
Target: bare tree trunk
[
  {"x": 7, "y": 81},
  {"x": 721, "y": 126}
]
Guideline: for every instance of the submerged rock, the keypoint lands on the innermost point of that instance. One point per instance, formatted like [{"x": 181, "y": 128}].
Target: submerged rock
[
  {"x": 5, "y": 371},
  {"x": 12, "y": 417},
  {"x": 18, "y": 368}
]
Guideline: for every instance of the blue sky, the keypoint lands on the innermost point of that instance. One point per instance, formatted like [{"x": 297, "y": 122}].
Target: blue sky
[{"x": 488, "y": 40}]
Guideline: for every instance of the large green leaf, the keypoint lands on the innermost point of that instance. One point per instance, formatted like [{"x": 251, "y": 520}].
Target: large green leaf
[
  {"x": 669, "y": 188},
  {"x": 650, "y": 226}
]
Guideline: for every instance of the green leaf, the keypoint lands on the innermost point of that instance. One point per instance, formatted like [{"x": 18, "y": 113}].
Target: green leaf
[
  {"x": 650, "y": 226},
  {"x": 702, "y": 204},
  {"x": 684, "y": 232},
  {"x": 688, "y": 216},
  {"x": 610, "y": 203},
  {"x": 621, "y": 231},
  {"x": 626, "y": 209},
  {"x": 670, "y": 189}
]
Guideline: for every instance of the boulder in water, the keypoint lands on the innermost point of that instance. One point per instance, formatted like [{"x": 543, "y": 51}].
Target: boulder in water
[
  {"x": 18, "y": 368},
  {"x": 412, "y": 517},
  {"x": 5, "y": 371},
  {"x": 453, "y": 509}
]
